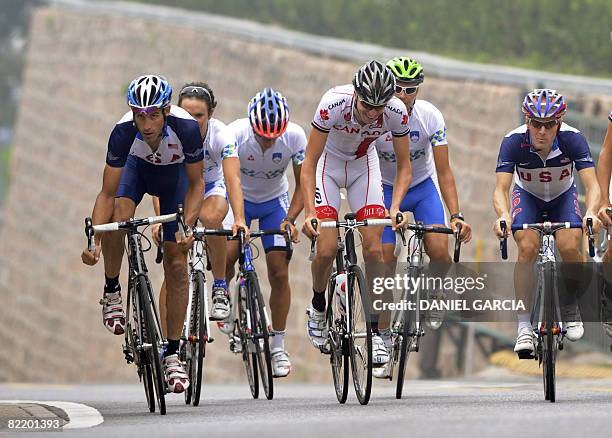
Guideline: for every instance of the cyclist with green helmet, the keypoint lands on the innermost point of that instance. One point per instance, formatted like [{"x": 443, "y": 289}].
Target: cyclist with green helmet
[{"x": 432, "y": 177}]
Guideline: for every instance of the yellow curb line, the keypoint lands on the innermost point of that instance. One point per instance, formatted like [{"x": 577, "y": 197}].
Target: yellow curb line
[{"x": 509, "y": 360}]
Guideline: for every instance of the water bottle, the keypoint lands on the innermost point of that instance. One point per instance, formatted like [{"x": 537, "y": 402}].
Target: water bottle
[{"x": 341, "y": 291}]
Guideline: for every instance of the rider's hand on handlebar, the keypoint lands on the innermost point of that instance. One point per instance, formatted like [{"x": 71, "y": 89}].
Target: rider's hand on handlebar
[
  {"x": 597, "y": 225},
  {"x": 393, "y": 212},
  {"x": 156, "y": 233},
  {"x": 307, "y": 228},
  {"x": 240, "y": 224},
  {"x": 498, "y": 230},
  {"x": 466, "y": 230},
  {"x": 603, "y": 216},
  {"x": 292, "y": 229},
  {"x": 91, "y": 258},
  {"x": 184, "y": 243}
]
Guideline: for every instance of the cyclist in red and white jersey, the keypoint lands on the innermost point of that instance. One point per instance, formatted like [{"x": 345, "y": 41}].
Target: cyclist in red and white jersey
[{"x": 341, "y": 154}]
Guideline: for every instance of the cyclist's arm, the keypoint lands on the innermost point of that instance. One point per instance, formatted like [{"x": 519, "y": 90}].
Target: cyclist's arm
[
  {"x": 156, "y": 206},
  {"x": 592, "y": 191},
  {"x": 105, "y": 201},
  {"x": 231, "y": 172},
  {"x": 403, "y": 176},
  {"x": 193, "y": 197},
  {"x": 604, "y": 167},
  {"x": 446, "y": 178},
  {"x": 297, "y": 200},
  {"x": 501, "y": 198},
  {"x": 314, "y": 149}
]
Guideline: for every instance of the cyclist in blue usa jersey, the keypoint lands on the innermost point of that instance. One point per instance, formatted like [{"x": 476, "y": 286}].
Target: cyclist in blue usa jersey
[
  {"x": 221, "y": 166},
  {"x": 541, "y": 156},
  {"x": 155, "y": 148},
  {"x": 267, "y": 143}
]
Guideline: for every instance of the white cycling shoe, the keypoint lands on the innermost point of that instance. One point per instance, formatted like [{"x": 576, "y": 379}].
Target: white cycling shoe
[
  {"x": 113, "y": 317},
  {"x": 177, "y": 378},
  {"x": 281, "y": 366},
  {"x": 574, "y": 330},
  {"x": 525, "y": 342},
  {"x": 316, "y": 327}
]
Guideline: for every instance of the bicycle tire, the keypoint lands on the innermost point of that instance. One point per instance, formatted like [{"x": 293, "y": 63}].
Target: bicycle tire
[
  {"x": 360, "y": 360},
  {"x": 141, "y": 359},
  {"x": 548, "y": 341},
  {"x": 339, "y": 354},
  {"x": 404, "y": 352},
  {"x": 151, "y": 336},
  {"x": 248, "y": 357},
  {"x": 199, "y": 349},
  {"x": 262, "y": 337},
  {"x": 147, "y": 380}
]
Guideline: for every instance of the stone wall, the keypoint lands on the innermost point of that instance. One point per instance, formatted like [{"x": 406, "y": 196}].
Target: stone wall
[{"x": 78, "y": 66}]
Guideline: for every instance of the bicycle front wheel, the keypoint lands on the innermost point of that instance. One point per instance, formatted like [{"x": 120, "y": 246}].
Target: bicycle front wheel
[
  {"x": 338, "y": 345},
  {"x": 261, "y": 337},
  {"x": 360, "y": 334},
  {"x": 249, "y": 357},
  {"x": 407, "y": 337},
  {"x": 151, "y": 337},
  {"x": 198, "y": 337}
]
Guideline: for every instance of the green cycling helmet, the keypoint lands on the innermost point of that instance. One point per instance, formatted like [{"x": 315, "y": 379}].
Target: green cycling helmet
[{"x": 406, "y": 70}]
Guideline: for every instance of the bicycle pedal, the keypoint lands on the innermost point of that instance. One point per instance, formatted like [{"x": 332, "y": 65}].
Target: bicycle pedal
[{"x": 525, "y": 354}]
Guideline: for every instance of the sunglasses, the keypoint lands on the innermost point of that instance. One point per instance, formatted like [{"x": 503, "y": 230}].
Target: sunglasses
[
  {"x": 547, "y": 125},
  {"x": 406, "y": 90},
  {"x": 369, "y": 107},
  {"x": 194, "y": 91},
  {"x": 145, "y": 110}
]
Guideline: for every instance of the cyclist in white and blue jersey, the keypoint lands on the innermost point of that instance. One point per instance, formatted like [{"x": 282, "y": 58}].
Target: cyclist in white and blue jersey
[
  {"x": 155, "y": 148},
  {"x": 221, "y": 166},
  {"x": 540, "y": 156},
  {"x": 267, "y": 143}
]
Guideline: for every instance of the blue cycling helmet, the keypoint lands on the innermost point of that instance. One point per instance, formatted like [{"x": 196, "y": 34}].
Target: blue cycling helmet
[
  {"x": 149, "y": 91},
  {"x": 544, "y": 103},
  {"x": 268, "y": 113}
]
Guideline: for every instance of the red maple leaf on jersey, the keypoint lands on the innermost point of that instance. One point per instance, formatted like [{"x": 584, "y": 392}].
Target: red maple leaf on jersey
[
  {"x": 324, "y": 114},
  {"x": 404, "y": 119}
]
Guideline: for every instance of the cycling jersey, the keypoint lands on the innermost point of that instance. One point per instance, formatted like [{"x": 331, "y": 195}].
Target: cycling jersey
[
  {"x": 219, "y": 144},
  {"x": 550, "y": 178},
  {"x": 427, "y": 130},
  {"x": 263, "y": 172},
  {"x": 347, "y": 139},
  {"x": 181, "y": 141},
  {"x": 160, "y": 173}
]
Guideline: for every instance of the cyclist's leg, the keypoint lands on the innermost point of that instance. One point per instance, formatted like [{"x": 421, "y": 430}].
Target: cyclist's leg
[
  {"x": 330, "y": 170},
  {"x": 170, "y": 185},
  {"x": 214, "y": 209},
  {"x": 365, "y": 196},
  {"x": 567, "y": 209},
  {"x": 278, "y": 275},
  {"x": 525, "y": 209},
  {"x": 129, "y": 194}
]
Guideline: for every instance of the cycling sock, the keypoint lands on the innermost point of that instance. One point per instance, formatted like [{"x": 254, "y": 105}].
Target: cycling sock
[
  {"x": 172, "y": 348},
  {"x": 220, "y": 283},
  {"x": 278, "y": 339},
  {"x": 111, "y": 285},
  {"x": 318, "y": 301},
  {"x": 524, "y": 321}
]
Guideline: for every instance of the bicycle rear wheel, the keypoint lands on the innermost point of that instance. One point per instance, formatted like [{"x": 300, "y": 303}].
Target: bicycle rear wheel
[
  {"x": 150, "y": 335},
  {"x": 339, "y": 354},
  {"x": 360, "y": 334},
  {"x": 261, "y": 334},
  {"x": 198, "y": 336}
]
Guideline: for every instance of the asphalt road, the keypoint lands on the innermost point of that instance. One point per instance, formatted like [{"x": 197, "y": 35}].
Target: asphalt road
[{"x": 466, "y": 408}]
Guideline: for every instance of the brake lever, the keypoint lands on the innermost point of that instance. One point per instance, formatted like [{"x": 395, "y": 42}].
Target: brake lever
[
  {"x": 91, "y": 247},
  {"x": 503, "y": 244},
  {"x": 313, "y": 241},
  {"x": 457, "y": 253}
]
